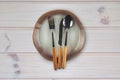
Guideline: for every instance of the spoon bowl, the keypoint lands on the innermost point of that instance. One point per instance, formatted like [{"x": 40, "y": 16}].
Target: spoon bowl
[{"x": 68, "y": 22}]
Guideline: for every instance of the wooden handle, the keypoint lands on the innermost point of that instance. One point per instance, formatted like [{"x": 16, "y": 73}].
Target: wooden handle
[
  {"x": 64, "y": 57},
  {"x": 54, "y": 58},
  {"x": 60, "y": 58}
]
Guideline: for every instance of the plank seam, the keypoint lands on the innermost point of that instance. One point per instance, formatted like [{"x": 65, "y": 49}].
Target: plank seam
[
  {"x": 60, "y": 1},
  {"x": 67, "y": 78}
]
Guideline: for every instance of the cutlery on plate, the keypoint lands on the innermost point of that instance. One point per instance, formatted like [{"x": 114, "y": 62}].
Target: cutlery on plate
[
  {"x": 68, "y": 22},
  {"x": 52, "y": 27},
  {"x": 60, "y": 45}
]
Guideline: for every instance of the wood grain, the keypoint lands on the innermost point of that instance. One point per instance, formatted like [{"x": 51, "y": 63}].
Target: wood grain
[
  {"x": 87, "y": 65},
  {"x": 59, "y": 1},
  {"x": 20, "y": 14},
  {"x": 98, "y": 40},
  {"x": 99, "y": 59}
]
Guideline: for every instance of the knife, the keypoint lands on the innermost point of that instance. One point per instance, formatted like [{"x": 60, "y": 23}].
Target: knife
[{"x": 60, "y": 44}]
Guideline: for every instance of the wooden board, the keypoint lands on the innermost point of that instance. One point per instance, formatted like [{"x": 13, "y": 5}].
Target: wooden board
[
  {"x": 99, "y": 60},
  {"x": 59, "y": 1},
  {"x": 86, "y": 65},
  {"x": 20, "y": 14},
  {"x": 102, "y": 40}
]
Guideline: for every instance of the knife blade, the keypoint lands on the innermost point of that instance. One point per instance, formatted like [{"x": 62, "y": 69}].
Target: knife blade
[{"x": 60, "y": 44}]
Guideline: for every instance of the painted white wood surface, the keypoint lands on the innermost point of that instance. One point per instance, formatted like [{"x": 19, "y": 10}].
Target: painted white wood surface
[
  {"x": 97, "y": 40},
  {"x": 62, "y": 0},
  {"x": 88, "y": 65},
  {"x": 98, "y": 61},
  {"x": 25, "y": 14}
]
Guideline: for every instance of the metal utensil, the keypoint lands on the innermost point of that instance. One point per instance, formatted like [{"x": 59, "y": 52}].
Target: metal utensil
[
  {"x": 67, "y": 23},
  {"x": 60, "y": 44},
  {"x": 52, "y": 27}
]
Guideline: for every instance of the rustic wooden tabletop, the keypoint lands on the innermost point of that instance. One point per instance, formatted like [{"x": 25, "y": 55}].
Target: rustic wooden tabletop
[{"x": 99, "y": 60}]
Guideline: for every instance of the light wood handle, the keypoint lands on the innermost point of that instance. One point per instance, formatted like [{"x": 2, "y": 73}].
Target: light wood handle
[
  {"x": 60, "y": 58},
  {"x": 64, "y": 57},
  {"x": 54, "y": 59}
]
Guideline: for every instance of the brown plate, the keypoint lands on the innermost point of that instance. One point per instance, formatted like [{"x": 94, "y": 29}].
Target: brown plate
[{"x": 42, "y": 34}]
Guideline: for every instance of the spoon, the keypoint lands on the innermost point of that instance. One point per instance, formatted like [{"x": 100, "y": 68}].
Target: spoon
[{"x": 68, "y": 22}]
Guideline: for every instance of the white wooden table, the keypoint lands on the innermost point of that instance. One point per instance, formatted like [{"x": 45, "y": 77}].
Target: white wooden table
[{"x": 100, "y": 59}]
